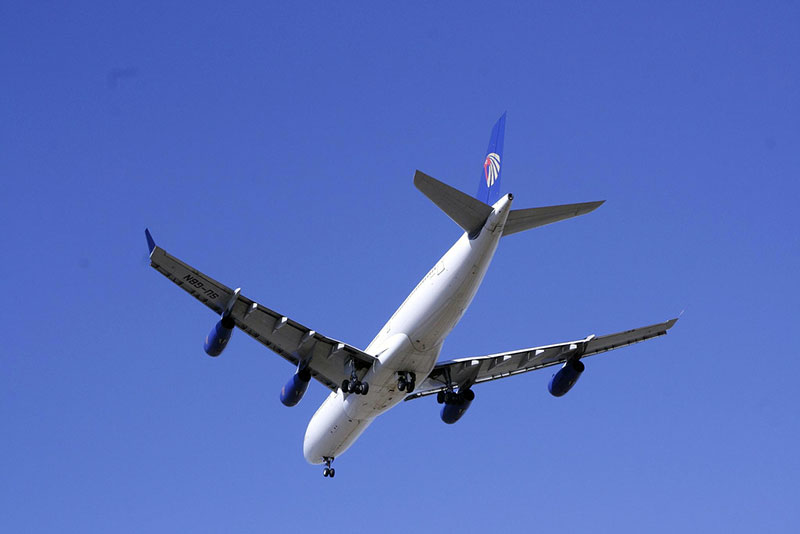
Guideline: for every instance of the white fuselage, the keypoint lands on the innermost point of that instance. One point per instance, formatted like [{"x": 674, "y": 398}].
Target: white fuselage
[{"x": 410, "y": 341}]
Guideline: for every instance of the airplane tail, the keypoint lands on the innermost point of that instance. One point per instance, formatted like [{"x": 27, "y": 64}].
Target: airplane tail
[
  {"x": 489, "y": 185},
  {"x": 470, "y": 213}
]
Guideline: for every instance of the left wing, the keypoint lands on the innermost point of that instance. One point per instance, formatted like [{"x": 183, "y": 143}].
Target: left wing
[
  {"x": 329, "y": 360},
  {"x": 464, "y": 372}
]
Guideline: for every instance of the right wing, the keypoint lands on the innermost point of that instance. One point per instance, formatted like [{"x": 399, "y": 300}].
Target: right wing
[
  {"x": 328, "y": 360},
  {"x": 464, "y": 372}
]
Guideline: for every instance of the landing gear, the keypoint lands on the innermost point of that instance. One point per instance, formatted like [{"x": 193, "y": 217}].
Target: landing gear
[
  {"x": 328, "y": 471},
  {"x": 354, "y": 385},
  {"x": 406, "y": 381}
]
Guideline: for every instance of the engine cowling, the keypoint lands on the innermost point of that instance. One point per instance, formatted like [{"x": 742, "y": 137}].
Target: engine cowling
[
  {"x": 565, "y": 378},
  {"x": 455, "y": 404},
  {"x": 295, "y": 388},
  {"x": 218, "y": 338}
]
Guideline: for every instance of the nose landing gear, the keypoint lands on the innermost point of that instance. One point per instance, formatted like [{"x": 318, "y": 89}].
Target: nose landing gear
[
  {"x": 406, "y": 381},
  {"x": 328, "y": 471}
]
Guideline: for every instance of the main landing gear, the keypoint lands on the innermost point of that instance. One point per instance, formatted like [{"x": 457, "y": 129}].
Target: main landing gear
[
  {"x": 406, "y": 381},
  {"x": 354, "y": 385},
  {"x": 328, "y": 471}
]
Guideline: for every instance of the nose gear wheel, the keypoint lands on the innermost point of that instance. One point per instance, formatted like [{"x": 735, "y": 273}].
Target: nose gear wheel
[{"x": 328, "y": 471}]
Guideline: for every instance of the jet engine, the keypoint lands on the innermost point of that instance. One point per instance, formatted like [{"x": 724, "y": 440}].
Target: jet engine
[
  {"x": 295, "y": 388},
  {"x": 455, "y": 404},
  {"x": 218, "y": 338},
  {"x": 565, "y": 378}
]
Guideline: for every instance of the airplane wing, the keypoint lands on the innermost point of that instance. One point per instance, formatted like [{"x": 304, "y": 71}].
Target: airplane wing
[
  {"x": 464, "y": 372},
  {"x": 328, "y": 360}
]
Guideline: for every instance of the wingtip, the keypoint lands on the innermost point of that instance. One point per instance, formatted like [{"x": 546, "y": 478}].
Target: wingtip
[
  {"x": 591, "y": 206},
  {"x": 672, "y": 322},
  {"x": 151, "y": 244},
  {"x": 420, "y": 177}
]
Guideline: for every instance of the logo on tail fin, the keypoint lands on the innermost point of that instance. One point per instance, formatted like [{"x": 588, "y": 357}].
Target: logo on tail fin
[{"x": 491, "y": 168}]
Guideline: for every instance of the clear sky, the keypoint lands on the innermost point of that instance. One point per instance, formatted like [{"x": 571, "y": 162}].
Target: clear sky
[{"x": 273, "y": 145}]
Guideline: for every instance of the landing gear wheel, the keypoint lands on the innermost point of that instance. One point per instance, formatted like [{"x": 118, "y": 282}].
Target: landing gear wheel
[
  {"x": 357, "y": 388},
  {"x": 346, "y": 386},
  {"x": 364, "y": 390},
  {"x": 406, "y": 381},
  {"x": 440, "y": 397},
  {"x": 328, "y": 471}
]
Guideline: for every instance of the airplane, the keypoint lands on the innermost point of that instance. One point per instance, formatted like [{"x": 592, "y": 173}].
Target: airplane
[{"x": 401, "y": 363}]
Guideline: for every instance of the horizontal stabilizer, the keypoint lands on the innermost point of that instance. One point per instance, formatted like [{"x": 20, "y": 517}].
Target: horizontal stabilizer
[
  {"x": 468, "y": 212},
  {"x": 519, "y": 220}
]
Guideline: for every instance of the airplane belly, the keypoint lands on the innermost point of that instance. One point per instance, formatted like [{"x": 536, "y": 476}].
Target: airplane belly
[
  {"x": 331, "y": 431},
  {"x": 398, "y": 354},
  {"x": 441, "y": 298}
]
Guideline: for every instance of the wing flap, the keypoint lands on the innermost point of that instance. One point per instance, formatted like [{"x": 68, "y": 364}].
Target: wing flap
[{"x": 327, "y": 358}]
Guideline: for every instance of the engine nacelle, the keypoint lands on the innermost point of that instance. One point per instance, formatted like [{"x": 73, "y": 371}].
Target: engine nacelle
[
  {"x": 218, "y": 338},
  {"x": 565, "y": 378},
  {"x": 455, "y": 404},
  {"x": 295, "y": 388}
]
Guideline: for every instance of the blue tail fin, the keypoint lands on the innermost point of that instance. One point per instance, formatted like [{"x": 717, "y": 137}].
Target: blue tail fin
[{"x": 489, "y": 188}]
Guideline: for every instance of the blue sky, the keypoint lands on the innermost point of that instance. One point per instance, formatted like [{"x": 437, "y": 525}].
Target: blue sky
[{"x": 273, "y": 145}]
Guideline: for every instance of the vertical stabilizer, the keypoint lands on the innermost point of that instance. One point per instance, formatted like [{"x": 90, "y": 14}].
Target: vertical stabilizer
[{"x": 489, "y": 187}]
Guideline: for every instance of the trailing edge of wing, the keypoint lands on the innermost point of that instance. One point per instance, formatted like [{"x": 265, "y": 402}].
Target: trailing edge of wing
[{"x": 519, "y": 220}]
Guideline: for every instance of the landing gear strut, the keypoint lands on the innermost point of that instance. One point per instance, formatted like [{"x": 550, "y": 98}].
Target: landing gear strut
[
  {"x": 406, "y": 381},
  {"x": 328, "y": 471}
]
